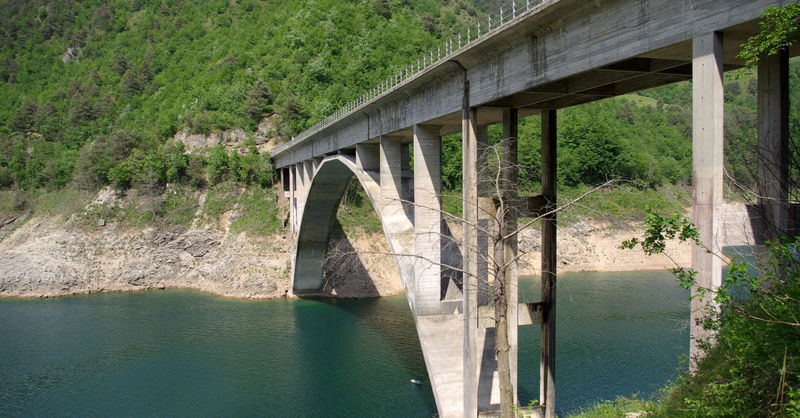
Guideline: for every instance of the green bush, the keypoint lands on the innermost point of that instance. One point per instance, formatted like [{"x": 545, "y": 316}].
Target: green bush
[
  {"x": 177, "y": 163},
  {"x": 218, "y": 164},
  {"x": 753, "y": 368},
  {"x": 752, "y": 365}
]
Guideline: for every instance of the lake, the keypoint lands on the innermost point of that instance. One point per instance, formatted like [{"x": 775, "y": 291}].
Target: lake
[{"x": 179, "y": 352}]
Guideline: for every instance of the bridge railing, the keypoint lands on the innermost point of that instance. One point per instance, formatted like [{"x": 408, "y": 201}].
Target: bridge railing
[{"x": 504, "y": 16}]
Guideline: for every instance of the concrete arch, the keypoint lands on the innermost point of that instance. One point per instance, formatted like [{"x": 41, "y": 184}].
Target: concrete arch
[{"x": 328, "y": 184}]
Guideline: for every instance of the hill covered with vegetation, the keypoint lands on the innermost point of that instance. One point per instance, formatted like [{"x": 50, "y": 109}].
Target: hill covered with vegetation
[
  {"x": 94, "y": 92},
  {"x": 87, "y": 85}
]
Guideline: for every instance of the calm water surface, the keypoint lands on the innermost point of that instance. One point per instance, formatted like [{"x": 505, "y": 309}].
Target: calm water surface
[{"x": 183, "y": 353}]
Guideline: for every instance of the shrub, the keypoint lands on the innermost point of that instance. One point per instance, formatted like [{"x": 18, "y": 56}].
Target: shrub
[
  {"x": 218, "y": 164},
  {"x": 752, "y": 367},
  {"x": 259, "y": 101},
  {"x": 177, "y": 162}
]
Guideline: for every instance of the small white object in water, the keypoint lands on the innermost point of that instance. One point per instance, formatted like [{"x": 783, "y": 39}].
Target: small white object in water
[{"x": 416, "y": 382}]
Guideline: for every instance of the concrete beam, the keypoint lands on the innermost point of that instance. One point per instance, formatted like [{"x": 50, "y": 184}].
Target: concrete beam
[{"x": 707, "y": 169}]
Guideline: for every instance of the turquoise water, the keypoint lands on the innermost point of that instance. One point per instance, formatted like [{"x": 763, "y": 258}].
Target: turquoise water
[{"x": 176, "y": 352}]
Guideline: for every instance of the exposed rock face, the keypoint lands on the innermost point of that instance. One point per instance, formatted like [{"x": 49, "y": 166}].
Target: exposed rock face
[
  {"x": 232, "y": 138},
  {"x": 47, "y": 258},
  {"x": 265, "y": 136},
  {"x": 71, "y": 54},
  {"x": 50, "y": 257}
]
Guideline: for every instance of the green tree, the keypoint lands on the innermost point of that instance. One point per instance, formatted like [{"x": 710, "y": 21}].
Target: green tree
[
  {"x": 177, "y": 162},
  {"x": 779, "y": 28},
  {"x": 218, "y": 164},
  {"x": 25, "y": 116},
  {"x": 258, "y": 101}
]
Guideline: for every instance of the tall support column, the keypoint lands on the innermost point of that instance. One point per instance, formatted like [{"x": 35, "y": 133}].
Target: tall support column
[
  {"x": 391, "y": 177},
  {"x": 306, "y": 170},
  {"x": 707, "y": 160},
  {"x": 773, "y": 144},
  {"x": 427, "y": 217},
  {"x": 293, "y": 200},
  {"x": 300, "y": 193},
  {"x": 511, "y": 279},
  {"x": 547, "y": 383},
  {"x": 480, "y": 386},
  {"x": 469, "y": 158}
]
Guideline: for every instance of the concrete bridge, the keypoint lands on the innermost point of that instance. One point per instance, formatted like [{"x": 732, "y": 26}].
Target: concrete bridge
[{"x": 531, "y": 58}]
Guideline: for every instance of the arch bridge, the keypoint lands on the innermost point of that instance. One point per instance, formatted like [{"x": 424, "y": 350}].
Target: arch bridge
[{"x": 540, "y": 56}]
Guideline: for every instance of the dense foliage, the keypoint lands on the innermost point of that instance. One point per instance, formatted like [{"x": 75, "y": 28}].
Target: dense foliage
[
  {"x": 91, "y": 85},
  {"x": 93, "y": 92},
  {"x": 752, "y": 366},
  {"x": 780, "y": 28}
]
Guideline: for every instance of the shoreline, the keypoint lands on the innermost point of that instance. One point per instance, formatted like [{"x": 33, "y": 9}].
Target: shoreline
[
  {"x": 49, "y": 257},
  {"x": 245, "y": 298}
]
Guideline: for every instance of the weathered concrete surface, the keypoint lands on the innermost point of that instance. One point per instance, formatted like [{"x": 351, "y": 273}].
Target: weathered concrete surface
[
  {"x": 773, "y": 145},
  {"x": 427, "y": 219},
  {"x": 707, "y": 171}
]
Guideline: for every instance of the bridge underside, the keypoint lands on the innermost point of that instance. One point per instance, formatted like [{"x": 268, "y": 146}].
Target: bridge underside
[{"x": 560, "y": 54}]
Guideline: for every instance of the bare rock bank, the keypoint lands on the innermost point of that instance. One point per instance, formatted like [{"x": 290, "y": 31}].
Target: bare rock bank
[{"x": 45, "y": 257}]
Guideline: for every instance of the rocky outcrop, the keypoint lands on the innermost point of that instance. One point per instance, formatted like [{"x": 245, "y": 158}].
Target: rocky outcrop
[
  {"x": 42, "y": 257},
  {"x": 266, "y": 137},
  {"x": 46, "y": 258},
  {"x": 72, "y": 53}
]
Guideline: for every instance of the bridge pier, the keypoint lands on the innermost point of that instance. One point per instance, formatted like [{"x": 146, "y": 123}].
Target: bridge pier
[
  {"x": 707, "y": 178},
  {"x": 773, "y": 146},
  {"x": 547, "y": 364},
  {"x": 427, "y": 219}
]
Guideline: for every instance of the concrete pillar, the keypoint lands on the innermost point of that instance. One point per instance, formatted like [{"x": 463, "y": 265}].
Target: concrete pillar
[
  {"x": 427, "y": 217},
  {"x": 707, "y": 160},
  {"x": 480, "y": 386},
  {"x": 309, "y": 167},
  {"x": 299, "y": 194},
  {"x": 405, "y": 157},
  {"x": 306, "y": 170},
  {"x": 368, "y": 157},
  {"x": 391, "y": 180},
  {"x": 317, "y": 162},
  {"x": 773, "y": 145},
  {"x": 547, "y": 369},
  {"x": 293, "y": 200},
  {"x": 469, "y": 159},
  {"x": 510, "y": 247}
]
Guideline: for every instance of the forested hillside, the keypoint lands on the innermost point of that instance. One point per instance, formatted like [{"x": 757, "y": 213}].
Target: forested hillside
[
  {"x": 93, "y": 92},
  {"x": 87, "y": 84}
]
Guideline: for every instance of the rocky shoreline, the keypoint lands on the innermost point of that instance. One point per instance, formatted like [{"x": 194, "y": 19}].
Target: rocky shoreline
[{"x": 48, "y": 257}]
